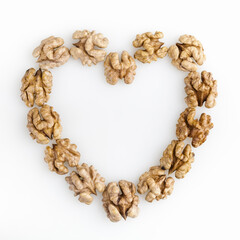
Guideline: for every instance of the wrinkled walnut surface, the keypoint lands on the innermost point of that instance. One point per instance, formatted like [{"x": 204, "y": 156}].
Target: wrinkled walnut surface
[
  {"x": 200, "y": 89},
  {"x": 120, "y": 200},
  {"x": 84, "y": 182},
  {"x": 177, "y": 158},
  {"x": 51, "y": 53},
  {"x": 61, "y": 152},
  {"x": 198, "y": 130},
  {"x": 36, "y": 87},
  {"x": 44, "y": 124},
  {"x": 187, "y": 54},
  {"x": 117, "y": 69},
  {"x": 86, "y": 49},
  {"x": 156, "y": 184},
  {"x": 152, "y": 47}
]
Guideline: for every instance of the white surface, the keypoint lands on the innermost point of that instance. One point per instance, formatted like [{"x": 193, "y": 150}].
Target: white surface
[{"x": 122, "y": 130}]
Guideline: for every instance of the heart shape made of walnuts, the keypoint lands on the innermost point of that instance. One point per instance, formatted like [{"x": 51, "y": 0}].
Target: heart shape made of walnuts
[{"x": 119, "y": 198}]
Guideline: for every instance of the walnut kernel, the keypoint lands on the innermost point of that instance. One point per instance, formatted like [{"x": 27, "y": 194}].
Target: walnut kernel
[
  {"x": 61, "y": 152},
  {"x": 44, "y": 124},
  {"x": 156, "y": 183},
  {"x": 85, "y": 48},
  {"x": 120, "y": 200},
  {"x": 36, "y": 87},
  {"x": 200, "y": 89},
  {"x": 51, "y": 53},
  {"x": 115, "y": 69},
  {"x": 152, "y": 47},
  {"x": 187, "y": 54},
  {"x": 198, "y": 130}
]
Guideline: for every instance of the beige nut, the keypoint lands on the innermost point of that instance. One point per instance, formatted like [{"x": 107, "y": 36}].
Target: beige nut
[
  {"x": 86, "y": 47},
  {"x": 177, "y": 158},
  {"x": 152, "y": 47},
  {"x": 117, "y": 69},
  {"x": 51, "y": 53},
  {"x": 120, "y": 200},
  {"x": 200, "y": 89},
  {"x": 84, "y": 182},
  {"x": 187, "y": 54},
  {"x": 196, "y": 129},
  {"x": 36, "y": 87},
  {"x": 44, "y": 124},
  {"x": 61, "y": 152},
  {"x": 156, "y": 183}
]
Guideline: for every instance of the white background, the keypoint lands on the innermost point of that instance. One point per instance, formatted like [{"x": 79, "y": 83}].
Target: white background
[{"x": 122, "y": 130}]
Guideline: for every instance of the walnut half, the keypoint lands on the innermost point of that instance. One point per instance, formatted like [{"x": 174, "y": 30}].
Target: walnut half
[
  {"x": 36, "y": 87},
  {"x": 187, "y": 54},
  {"x": 51, "y": 53},
  {"x": 84, "y": 182},
  {"x": 177, "y": 158},
  {"x": 87, "y": 47},
  {"x": 198, "y": 130},
  {"x": 152, "y": 47},
  {"x": 200, "y": 88},
  {"x": 61, "y": 152},
  {"x": 44, "y": 124},
  {"x": 156, "y": 183},
  {"x": 120, "y": 200},
  {"x": 115, "y": 69}
]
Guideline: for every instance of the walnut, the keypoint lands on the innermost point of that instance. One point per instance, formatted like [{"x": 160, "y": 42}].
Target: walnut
[
  {"x": 44, "y": 124},
  {"x": 200, "y": 89},
  {"x": 152, "y": 47},
  {"x": 51, "y": 53},
  {"x": 177, "y": 158},
  {"x": 198, "y": 130},
  {"x": 115, "y": 69},
  {"x": 85, "y": 48},
  {"x": 36, "y": 87},
  {"x": 156, "y": 182},
  {"x": 187, "y": 54},
  {"x": 60, "y": 153},
  {"x": 120, "y": 201},
  {"x": 85, "y": 182}
]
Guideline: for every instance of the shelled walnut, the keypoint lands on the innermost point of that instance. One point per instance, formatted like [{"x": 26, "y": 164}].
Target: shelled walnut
[
  {"x": 115, "y": 69},
  {"x": 152, "y": 47},
  {"x": 198, "y": 130},
  {"x": 177, "y": 158},
  {"x": 187, "y": 54},
  {"x": 44, "y": 124},
  {"x": 51, "y": 53},
  {"x": 200, "y": 89},
  {"x": 36, "y": 87},
  {"x": 85, "y": 48},
  {"x": 61, "y": 152},
  {"x": 84, "y": 182},
  {"x": 120, "y": 200},
  {"x": 156, "y": 183}
]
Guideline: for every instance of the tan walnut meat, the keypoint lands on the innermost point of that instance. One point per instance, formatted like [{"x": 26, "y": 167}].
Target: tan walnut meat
[
  {"x": 117, "y": 69},
  {"x": 61, "y": 152},
  {"x": 51, "y": 53},
  {"x": 198, "y": 130},
  {"x": 84, "y": 182},
  {"x": 36, "y": 87},
  {"x": 152, "y": 47},
  {"x": 87, "y": 47},
  {"x": 187, "y": 54},
  {"x": 177, "y": 158},
  {"x": 200, "y": 89},
  {"x": 120, "y": 200},
  {"x": 44, "y": 124},
  {"x": 156, "y": 183}
]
